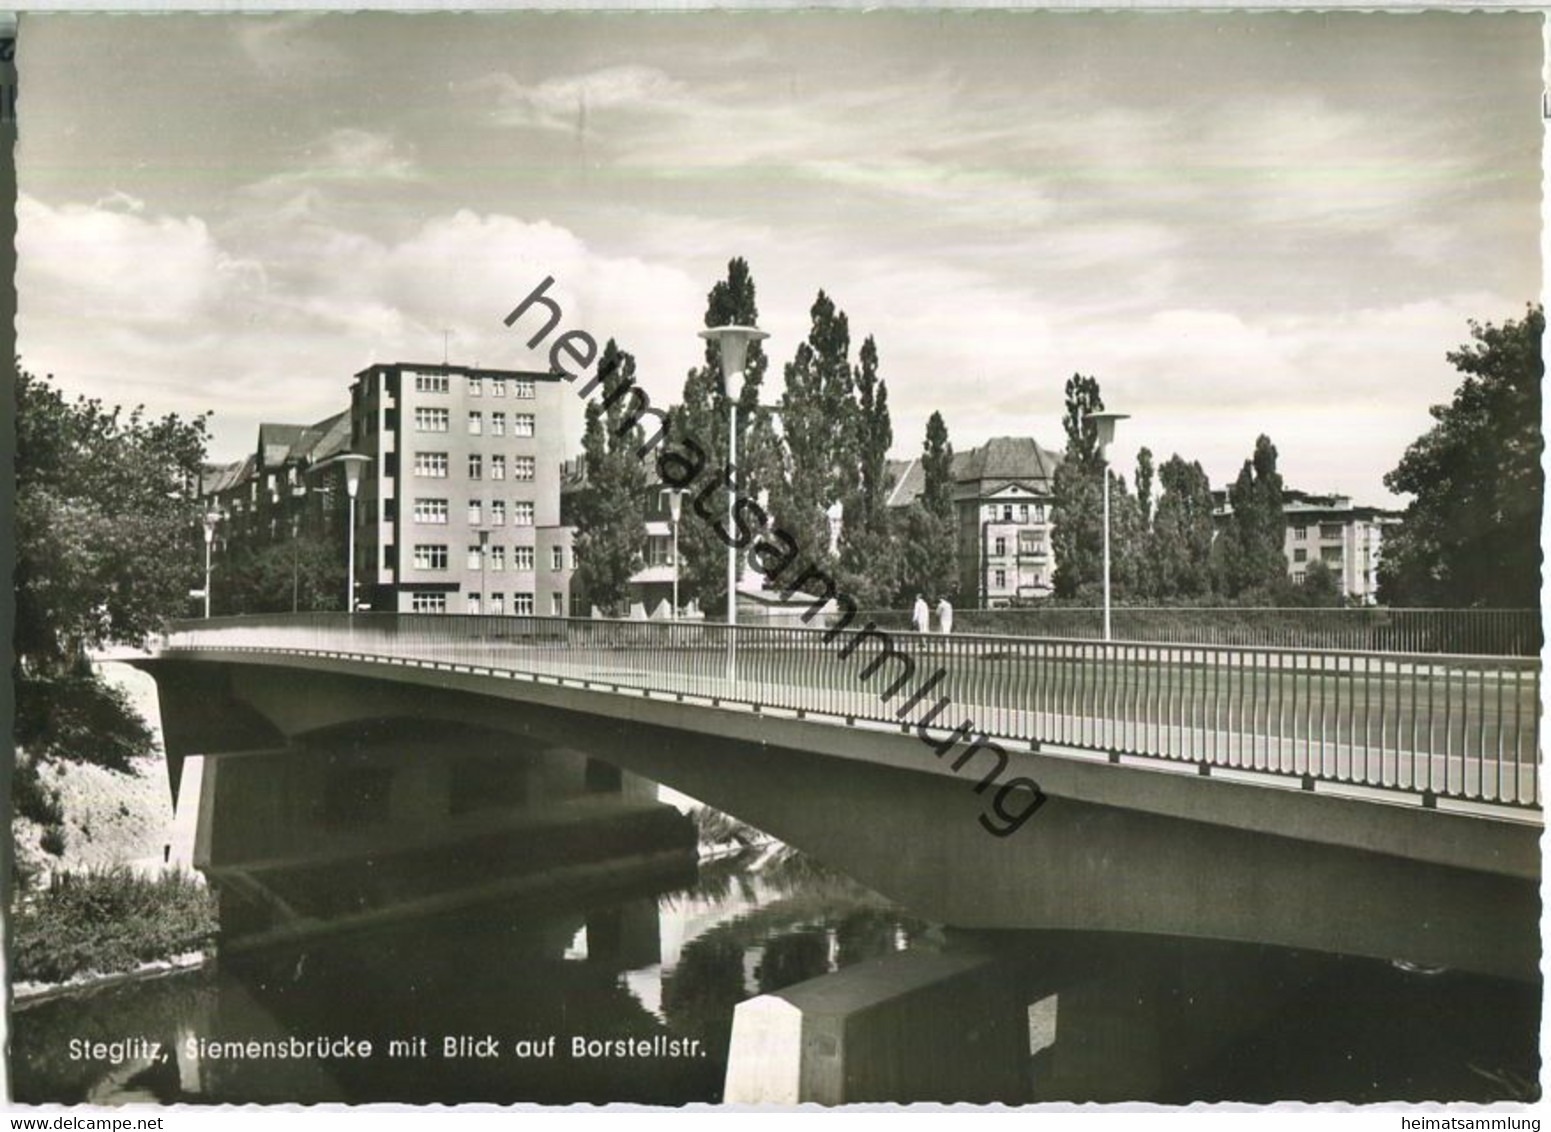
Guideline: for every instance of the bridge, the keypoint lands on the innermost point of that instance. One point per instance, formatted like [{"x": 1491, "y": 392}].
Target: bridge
[{"x": 1377, "y": 804}]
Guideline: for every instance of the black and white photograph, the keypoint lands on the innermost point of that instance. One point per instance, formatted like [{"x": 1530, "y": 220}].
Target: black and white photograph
[{"x": 775, "y": 558}]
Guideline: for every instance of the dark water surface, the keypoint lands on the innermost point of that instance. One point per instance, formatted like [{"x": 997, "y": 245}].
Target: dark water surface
[{"x": 1110, "y": 1017}]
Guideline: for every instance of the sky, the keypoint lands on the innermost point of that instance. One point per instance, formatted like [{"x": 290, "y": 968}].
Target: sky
[{"x": 1240, "y": 224}]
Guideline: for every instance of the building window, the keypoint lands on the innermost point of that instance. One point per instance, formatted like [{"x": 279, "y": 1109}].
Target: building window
[
  {"x": 1023, "y": 512},
  {"x": 999, "y": 579},
  {"x": 430, "y": 383},
  {"x": 498, "y": 512},
  {"x": 1000, "y": 546},
  {"x": 431, "y": 420},
  {"x": 1298, "y": 576},
  {"x": 430, "y": 556},
  {"x": 475, "y": 516},
  {"x": 1300, "y": 555},
  {"x": 1006, "y": 512},
  {"x": 497, "y": 387},
  {"x": 557, "y": 558},
  {"x": 1300, "y": 533},
  {"x": 1030, "y": 543},
  {"x": 1331, "y": 530},
  {"x": 557, "y": 605},
  {"x": 522, "y": 513},
  {"x": 428, "y": 603},
  {"x": 498, "y": 558},
  {"x": 498, "y": 467},
  {"x": 1330, "y": 554},
  {"x": 522, "y": 558},
  {"x": 522, "y": 388},
  {"x": 476, "y": 387},
  {"x": 498, "y": 604},
  {"x": 476, "y": 466},
  {"x": 387, "y": 556},
  {"x": 497, "y": 424},
  {"x": 476, "y": 424},
  {"x": 474, "y": 557},
  {"x": 431, "y": 511},
  {"x": 431, "y": 465},
  {"x": 522, "y": 605},
  {"x": 522, "y": 424},
  {"x": 473, "y": 603},
  {"x": 1039, "y": 512},
  {"x": 522, "y": 467}
]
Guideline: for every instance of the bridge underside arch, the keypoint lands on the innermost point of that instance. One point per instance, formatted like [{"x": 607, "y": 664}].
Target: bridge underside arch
[{"x": 915, "y": 835}]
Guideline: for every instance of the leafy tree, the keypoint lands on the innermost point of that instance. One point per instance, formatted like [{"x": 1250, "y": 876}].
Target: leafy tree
[
  {"x": 611, "y": 513},
  {"x": 108, "y": 537},
  {"x": 108, "y": 543},
  {"x": 1144, "y": 482},
  {"x": 701, "y": 415},
  {"x": 937, "y": 468},
  {"x": 1321, "y": 586},
  {"x": 308, "y": 571},
  {"x": 1471, "y": 535},
  {"x": 1250, "y": 563},
  {"x": 928, "y": 539},
  {"x": 817, "y": 430},
  {"x": 1179, "y": 552},
  {"x": 869, "y": 559},
  {"x": 1077, "y": 504}
]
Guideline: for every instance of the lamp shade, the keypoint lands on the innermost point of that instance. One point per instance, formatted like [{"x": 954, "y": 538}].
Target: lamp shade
[
  {"x": 676, "y": 503},
  {"x": 354, "y": 462},
  {"x": 210, "y": 520},
  {"x": 1105, "y": 422},
  {"x": 732, "y": 344}
]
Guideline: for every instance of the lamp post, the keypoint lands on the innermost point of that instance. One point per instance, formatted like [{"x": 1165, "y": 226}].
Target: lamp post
[
  {"x": 732, "y": 345},
  {"x": 353, "y": 462},
  {"x": 211, "y": 518},
  {"x": 675, "y": 509},
  {"x": 1105, "y": 423}
]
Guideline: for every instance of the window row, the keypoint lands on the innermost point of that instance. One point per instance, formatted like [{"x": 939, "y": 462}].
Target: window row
[
  {"x": 434, "y": 465},
  {"x": 433, "y": 556},
  {"x": 522, "y": 388},
  {"x": 522, "y": 424},
  {"x": 435, "y": 512},
  {"x": 1015, "y": 513},
  {"x": 522, "y": 603}
]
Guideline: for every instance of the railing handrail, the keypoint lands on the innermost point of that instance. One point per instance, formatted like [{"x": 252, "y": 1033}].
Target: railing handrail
[{"x": 343, "y": 619}]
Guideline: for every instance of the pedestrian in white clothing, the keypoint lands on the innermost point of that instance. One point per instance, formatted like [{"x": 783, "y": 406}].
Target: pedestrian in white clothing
[
  {"x": 944, "y": 616},
  {"x": 920, "y": 616}
]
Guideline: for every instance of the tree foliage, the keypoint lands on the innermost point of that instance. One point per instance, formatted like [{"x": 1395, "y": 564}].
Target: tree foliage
[
  {"x": 701, "y": 415},
  {"x": 307, "y": 572},
  {"x": 870, "y": 562},
  {"x": 1249, "y": 552},
  {"x": 1180, "y": 547},
  {"x": 1077, "y": 499},
  {"x": 1471, "y": 535},
  {"x": 611, "y": 511},
  {"x": 108, "y": 537}
]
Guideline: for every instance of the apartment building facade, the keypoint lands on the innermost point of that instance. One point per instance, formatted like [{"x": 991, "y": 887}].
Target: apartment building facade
[
  {"x": 459, "y": 510},
  {"x": 1346, "y": 538},
  {"x": 1002, "y": 493}
]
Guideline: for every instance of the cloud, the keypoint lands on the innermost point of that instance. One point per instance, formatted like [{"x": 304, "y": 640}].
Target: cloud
[{"x": 564, "y": 103}]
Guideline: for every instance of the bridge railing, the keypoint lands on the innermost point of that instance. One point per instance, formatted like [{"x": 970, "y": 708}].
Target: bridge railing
[
  {"x": 1469, "y": 632},
  {"x": 1460, "y": 727}
]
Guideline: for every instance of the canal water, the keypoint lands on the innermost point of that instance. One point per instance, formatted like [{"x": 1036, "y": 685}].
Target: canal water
[{"x": 665, "y": 963}]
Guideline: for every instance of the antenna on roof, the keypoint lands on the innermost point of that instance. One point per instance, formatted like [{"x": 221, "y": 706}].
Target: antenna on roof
[{"x": 445, "y": 333}]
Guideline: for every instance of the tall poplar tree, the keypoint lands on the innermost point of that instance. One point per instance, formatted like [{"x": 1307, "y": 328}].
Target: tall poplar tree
[
  {"x": 1250, "y": 562},
  {"x": 869, "y": 558},
  {"x": 1077, "y": 507},
  {"x": 611, "y": 515},
  {"x": 701, "y": 415}
]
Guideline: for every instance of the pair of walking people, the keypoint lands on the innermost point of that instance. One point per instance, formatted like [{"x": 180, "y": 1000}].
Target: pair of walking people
[{"x": 921, "y": 617}]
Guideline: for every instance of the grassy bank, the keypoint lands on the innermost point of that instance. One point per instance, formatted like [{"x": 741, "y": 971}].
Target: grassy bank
[{"x": 108, "y": 920}]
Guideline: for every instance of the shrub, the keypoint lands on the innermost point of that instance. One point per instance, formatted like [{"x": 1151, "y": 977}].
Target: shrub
[{"x": 109, "y": 920}]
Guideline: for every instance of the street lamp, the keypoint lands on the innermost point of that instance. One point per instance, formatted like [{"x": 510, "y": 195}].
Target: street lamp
[
  {"x": 676, "y": 508},
  {"x": 1105, "y": 422},
  {"x": 298, "y": 491},
  {"x": 732, "y": 344},
  {"x": 212, "y": 517},
  {"x": 353, "y": 462}
]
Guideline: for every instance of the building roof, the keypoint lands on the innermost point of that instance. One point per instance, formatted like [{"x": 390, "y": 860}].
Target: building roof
[
  {"x": 217, "y": 478},
  {"x": 997, "y": 462},
  {"x": 464, "y": 371}
]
